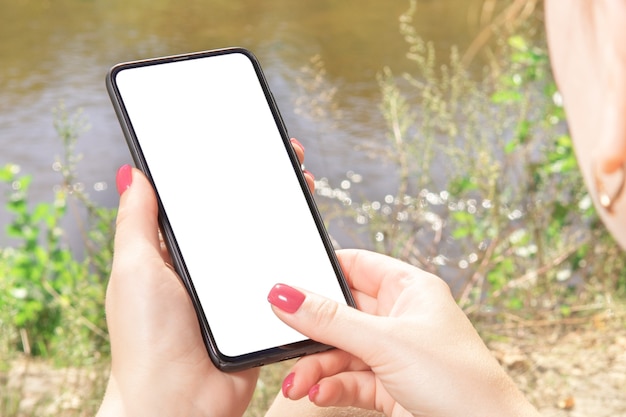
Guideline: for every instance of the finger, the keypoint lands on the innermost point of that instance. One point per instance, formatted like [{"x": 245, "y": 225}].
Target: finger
[
  {"x": 365, "y": 302},
  {"x": 356, "y": 389},
  {"x": 136, "y": 235},
  {"x": 310, "y": 180},
  {"x": 327, "y": 321},
  {"x": 138, "y": 272},
  {"x": 298, "y": 148},
  {"x": 137, "y": 218},
  {"x": 308, "y": 371},
  {"x": 368, "y": 272}
]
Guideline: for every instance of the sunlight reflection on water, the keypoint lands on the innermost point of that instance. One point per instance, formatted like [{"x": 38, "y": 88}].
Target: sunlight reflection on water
[{"x": 53, "y": 51}]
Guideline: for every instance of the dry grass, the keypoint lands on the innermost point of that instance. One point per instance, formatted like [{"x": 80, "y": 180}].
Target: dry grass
[
  {"x": 570, "y": 367},
  {"x": 34, "y": 387}
]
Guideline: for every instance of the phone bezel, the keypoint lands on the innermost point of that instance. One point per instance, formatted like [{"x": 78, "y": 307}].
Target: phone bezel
[{"x": 222, "y": 361}]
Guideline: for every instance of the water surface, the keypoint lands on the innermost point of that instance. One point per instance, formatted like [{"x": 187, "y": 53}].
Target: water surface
[{"x": 52, "y": 51}]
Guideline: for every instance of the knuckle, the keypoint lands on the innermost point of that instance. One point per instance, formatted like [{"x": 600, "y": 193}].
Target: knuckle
[{"x": 325, "y": 313}]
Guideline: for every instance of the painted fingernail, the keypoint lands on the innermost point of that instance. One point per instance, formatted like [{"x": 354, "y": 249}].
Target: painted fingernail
[
  {"x": 287, "y": 384},
  {"x": 315, "y": 389},
  {"x": 311, "y": 175},
  {"x": 285, "y": 298},
  {"x": 297, "y": 142},
  {"x": 124, "y": 178}
]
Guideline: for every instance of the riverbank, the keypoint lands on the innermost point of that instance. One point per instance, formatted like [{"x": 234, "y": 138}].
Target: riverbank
[{"x": 571, "y": 367}]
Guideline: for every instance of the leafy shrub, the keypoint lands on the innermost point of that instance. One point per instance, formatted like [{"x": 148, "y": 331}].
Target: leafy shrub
[
  {"x": 488, "y": 192},
  {"x": 52, "y": 302}
]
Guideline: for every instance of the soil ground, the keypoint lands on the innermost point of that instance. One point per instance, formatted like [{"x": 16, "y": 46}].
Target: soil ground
[
  {"x": 574, "y": 367},
  {"x": 570, "y": 367}
]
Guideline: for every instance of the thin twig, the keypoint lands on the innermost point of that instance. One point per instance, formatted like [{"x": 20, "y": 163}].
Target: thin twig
[
  {"x": 531, "y": 275},
  {"x": 519, "y": 9}
]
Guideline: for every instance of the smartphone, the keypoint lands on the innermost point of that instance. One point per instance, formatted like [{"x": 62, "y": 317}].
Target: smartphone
[{"x": 234, "y": 207}]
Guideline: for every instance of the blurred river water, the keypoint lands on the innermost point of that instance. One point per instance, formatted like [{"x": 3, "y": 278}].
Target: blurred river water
[{"x": 54, "y": 51}]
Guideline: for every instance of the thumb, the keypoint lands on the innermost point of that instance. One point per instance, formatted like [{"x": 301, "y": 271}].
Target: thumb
[
  {"x": 136, "y": 248},
  {"x": 137, "y": 219},
  {"x": 326, "y": 321}
]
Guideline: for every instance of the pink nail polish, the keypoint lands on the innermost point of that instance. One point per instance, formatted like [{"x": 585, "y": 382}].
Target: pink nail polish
[
  {"x": 297, "y": 142},
  {"x": 124, "y": 178},
  {"x": 315, "y": 389},
  {"x": 308, "y": 172},
  {"x": 287, "y": 384},
  {"x": 286, "y": 298}
]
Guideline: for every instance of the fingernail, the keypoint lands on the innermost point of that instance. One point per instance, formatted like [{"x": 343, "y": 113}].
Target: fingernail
[
  {"x": 297, "y": 142},
  {"x": 124, "y": 178},
  {"x": 286, "y": 298},
  {"x": 311, "y": 175},
  {"x": 287, "y": 384},
  {"x": 315, "y": 389}
]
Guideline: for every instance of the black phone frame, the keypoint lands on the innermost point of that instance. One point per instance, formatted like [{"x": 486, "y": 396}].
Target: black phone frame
[{"x": 221, "y": 361}]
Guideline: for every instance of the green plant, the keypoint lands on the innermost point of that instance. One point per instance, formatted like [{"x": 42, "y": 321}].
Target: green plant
[
  {"x": 53, "y": 302},
  {"x": 488, "y": 192}
]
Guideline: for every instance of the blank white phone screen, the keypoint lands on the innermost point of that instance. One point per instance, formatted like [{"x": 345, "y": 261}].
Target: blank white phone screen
[{"x": 230, "y": 193}]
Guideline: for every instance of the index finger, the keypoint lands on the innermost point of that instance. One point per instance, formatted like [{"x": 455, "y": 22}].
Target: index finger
[{"x": 369, "y": 272}]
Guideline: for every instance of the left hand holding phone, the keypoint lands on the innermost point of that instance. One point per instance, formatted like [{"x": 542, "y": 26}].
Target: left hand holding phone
[{"x": 160, "y": 365}]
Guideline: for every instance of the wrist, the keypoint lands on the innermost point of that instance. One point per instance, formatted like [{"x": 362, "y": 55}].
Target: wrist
[
  {"x": 512, "y": 401},
  {"x": 112, "y": 404},
  {"x": 143, "y": 398},
  {"x": 135, "y": 394}
]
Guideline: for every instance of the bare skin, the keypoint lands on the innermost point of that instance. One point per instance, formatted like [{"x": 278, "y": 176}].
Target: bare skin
[{"x": 409, "y": 350}]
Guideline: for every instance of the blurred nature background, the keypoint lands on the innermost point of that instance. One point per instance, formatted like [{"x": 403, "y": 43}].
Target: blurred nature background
[{"x": 434, "y": 129}]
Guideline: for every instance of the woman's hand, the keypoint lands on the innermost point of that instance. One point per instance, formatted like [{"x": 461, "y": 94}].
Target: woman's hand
[
  {"x": 310, "y": 179},
  {"x": 409, "y": 351},
  {"x": 160, "y": 363}
]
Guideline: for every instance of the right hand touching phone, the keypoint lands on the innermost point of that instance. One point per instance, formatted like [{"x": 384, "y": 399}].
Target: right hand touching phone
[{"x": 409, "y": 351}]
